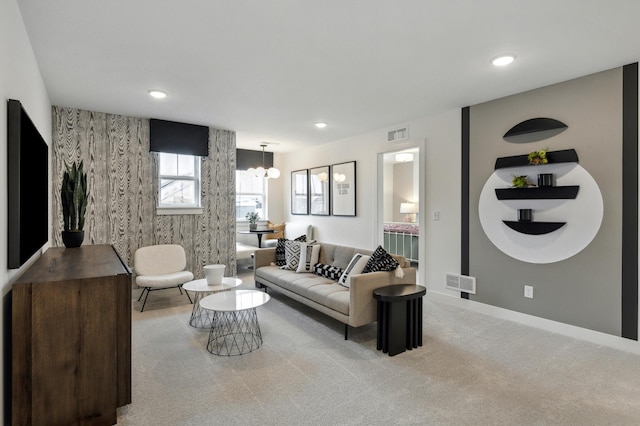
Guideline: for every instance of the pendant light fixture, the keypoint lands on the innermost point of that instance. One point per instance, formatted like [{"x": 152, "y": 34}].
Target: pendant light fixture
[{"x": 272, "y": 172}]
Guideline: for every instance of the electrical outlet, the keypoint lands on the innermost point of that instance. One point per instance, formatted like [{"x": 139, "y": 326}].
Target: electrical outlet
[
  {"x": 436, "y": 215},
  {"x": 528, "y": 291}
]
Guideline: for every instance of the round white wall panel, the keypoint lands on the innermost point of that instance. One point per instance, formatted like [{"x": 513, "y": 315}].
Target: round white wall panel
[{"x": 583, "y": 215}]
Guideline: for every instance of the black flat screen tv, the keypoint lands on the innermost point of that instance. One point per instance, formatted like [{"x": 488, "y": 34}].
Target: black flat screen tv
[{"x": 28, "y": 183}]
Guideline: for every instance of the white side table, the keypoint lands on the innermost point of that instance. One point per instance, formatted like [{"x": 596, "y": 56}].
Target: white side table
[
  {"x": 201, "y": 318},
  {"x": 234, "y": 326}
]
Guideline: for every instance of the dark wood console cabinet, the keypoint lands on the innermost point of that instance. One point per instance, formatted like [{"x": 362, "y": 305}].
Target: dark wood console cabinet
[{"x": 71, "y": 338}]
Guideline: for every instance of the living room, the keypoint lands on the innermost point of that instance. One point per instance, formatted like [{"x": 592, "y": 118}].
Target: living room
[{"x": 439, "y": 136}]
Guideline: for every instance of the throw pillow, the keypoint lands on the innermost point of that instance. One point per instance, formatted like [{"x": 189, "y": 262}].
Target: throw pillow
[
  {"x": 356, "y": 266},
  {"x": 327, "y": 271},
  {"x": 292, "y": 255},
  {"x": 381, "y": 261},
  {"x": 309, "y": 254},
  {"x": 278, "y": 231},
  {"x": 281, "y": 259}
]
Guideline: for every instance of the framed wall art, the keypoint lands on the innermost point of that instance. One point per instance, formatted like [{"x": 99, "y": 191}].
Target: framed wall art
[
  {"x": 300, "y": 192},
  {"x": 343, "y": 189},
  {"x": 319, "y": 190}
]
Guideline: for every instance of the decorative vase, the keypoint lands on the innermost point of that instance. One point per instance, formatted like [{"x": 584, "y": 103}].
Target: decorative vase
[
  {"x": 214, "y": 274},
  {"x": 524, "y": 215},
  {"x": 72, "y": 239},
  {"x": 253, "y": 226},
  {"x": 545, "y": 179}
]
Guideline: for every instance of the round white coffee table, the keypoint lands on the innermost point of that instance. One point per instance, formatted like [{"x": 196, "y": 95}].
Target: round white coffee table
[
  {"x": 234, "y": 326},
  {"x": 201, "y": 318}
]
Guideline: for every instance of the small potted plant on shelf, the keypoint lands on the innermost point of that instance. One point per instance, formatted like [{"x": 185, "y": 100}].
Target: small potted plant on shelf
[
  {"x": 538, "y": 158},
  {"x": 74, "y": 198},
  {"x": 252, "y": 217},
  {"x": 520, "y": 181}
]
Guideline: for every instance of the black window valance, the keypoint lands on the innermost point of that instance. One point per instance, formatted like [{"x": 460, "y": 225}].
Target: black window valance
[
  {"x": 245, "y": 159},
  {"x": 178, "y": 138}
]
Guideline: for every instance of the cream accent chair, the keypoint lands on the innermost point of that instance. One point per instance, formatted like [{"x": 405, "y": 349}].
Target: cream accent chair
[{"x": 160, "y": 267}]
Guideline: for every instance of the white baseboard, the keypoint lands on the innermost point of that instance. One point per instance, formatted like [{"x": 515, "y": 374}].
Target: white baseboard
[{"x": 592, "y": 336}]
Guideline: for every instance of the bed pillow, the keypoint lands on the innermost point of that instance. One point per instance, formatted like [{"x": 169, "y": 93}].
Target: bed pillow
[
  {"x": 327, "y": 271},
  {"x": 356, "y": 266},
  {"x": 309, "y": 254},
  {"x": 381, "y": 261},
  {"x": 281, "y": 259}
]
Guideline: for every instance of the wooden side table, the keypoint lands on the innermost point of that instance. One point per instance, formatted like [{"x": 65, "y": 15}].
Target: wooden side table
[{"x": 399, "y": 317}]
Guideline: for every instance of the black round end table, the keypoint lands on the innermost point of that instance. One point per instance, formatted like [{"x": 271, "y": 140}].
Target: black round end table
[{"x": 399, "y": 317}]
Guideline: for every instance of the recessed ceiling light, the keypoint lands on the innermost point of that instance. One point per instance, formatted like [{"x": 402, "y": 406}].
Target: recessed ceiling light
[
  {"x": 321, "y": 125},
  {"x": 502, "y": 60},
  {"x": 158, "y": 94}
]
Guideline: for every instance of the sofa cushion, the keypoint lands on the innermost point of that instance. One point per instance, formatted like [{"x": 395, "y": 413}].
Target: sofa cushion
[
  {"x": 318, "y": 289},
  {"x": 356, "y": 266},
  {"x": 327, "y": 271},
  {"x": 281, "y": 259},
  {"x": 308, "y": 257},
  {"x": 380, "y": 261},
  {"x": 342, "y": 256}
]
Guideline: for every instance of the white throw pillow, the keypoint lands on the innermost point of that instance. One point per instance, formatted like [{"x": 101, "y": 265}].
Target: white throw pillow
[
  {"x": 309, "y": 254},
  {"x": 355, "y": 266}
]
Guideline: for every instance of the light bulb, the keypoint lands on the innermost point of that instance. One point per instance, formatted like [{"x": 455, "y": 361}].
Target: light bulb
[
  {"x": 273, "y": 173},
  {"x": 260, "y": 172}
]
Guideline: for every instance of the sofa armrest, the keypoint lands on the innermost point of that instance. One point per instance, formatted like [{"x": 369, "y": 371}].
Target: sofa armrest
[
  {"x": 263, "y": 257},
  {"x": 362, "y": 306}
]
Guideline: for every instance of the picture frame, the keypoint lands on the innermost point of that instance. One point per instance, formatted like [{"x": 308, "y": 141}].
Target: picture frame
[
  {"x": 343, "y": 189},
  {"x": 319, "y": 191},
  {"x": 300, "y": 192}
]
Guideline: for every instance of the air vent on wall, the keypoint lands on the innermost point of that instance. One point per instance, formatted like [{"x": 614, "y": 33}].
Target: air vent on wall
[
  {"x": 462, "y": 283},
  {"x": 399, "y": 134}
]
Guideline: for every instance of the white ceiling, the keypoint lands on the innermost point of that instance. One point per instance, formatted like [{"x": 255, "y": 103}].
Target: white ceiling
[{"x": 270, "y": 69}]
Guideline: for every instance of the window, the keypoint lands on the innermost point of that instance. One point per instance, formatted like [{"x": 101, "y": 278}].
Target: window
[
  {"x": 179, "y": 181},
  {"x": 251, "y": 194}
]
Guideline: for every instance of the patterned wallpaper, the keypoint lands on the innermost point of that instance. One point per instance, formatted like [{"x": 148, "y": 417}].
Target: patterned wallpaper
[{"x": 122, "y": 179}]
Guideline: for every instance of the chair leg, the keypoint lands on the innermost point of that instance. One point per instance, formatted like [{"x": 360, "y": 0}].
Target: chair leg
[
  {"x": 187, "y": 293},
  {"x": 145, "y": 299},
  {"x": 346, "y": 331},
  {"x": 141, "y": 293}
]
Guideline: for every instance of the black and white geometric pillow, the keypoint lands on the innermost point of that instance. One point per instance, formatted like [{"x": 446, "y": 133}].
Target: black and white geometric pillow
[
  {"x": 281, "y": 259},
  {"x": 327, "y": 271},
  {"x": 381, "y": 261},
  {"x": 356, "y": 266},
  {"x": 292, "y": 255}
]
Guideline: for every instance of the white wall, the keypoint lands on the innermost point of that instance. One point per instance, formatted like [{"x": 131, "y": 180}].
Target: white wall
[
  {"x": 438, "y": 137},
  {"x": 19, "y": 79}
]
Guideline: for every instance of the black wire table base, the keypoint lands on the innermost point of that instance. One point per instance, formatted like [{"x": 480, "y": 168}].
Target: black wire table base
[{"x": 234, "y": 333}]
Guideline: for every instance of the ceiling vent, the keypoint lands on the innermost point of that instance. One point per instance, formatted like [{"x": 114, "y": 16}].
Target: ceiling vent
[
  {"x": 461, "y": 283},
  {"x": 399, "y": 134}
]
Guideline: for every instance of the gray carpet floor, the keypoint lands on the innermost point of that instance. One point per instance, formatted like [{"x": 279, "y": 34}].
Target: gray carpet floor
[{"x": 472, "y": 369}]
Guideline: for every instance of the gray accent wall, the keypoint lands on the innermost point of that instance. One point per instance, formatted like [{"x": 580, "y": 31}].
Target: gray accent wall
[
  {"x": 122, "y": 178},
  {"x": 584, "y": 290}
]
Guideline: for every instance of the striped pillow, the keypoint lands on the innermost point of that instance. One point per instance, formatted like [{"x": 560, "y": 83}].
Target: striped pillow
[
  {"x": 309, "y": 254},
  {"x": 356, "y": 266}
]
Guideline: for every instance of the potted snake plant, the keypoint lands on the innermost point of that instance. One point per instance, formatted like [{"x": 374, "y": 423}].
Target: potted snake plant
[{"x": 74, "y": 198}]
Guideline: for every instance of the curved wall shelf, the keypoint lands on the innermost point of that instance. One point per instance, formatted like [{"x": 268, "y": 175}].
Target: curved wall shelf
[
  {"x": 563, "y": 156},
  {"x": 534, "y": 228},
  {"x": 534, "y": 129},
  {"x": 539, "y": 193}
]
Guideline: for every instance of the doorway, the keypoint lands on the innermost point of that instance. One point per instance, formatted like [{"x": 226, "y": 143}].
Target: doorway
[{"x": 400, "y": 192}]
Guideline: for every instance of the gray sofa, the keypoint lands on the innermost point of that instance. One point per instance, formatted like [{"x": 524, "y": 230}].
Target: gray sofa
[{"x": 354, "y": 306}]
